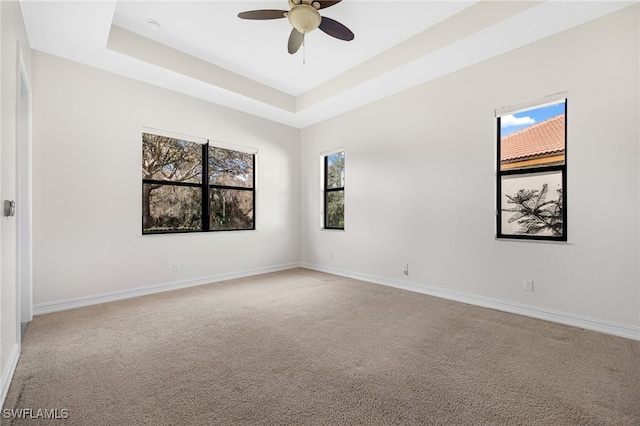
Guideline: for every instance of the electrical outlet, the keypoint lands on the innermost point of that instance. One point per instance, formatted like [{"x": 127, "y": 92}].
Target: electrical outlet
[
  {"x": 176, "y": 267},
  {"x": 405, "y": 268},
  {"x": 528, "y": 285}
]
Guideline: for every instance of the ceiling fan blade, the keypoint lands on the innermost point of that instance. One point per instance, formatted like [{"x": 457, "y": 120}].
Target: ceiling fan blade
[
  {"x": 325, "y": 4},
  {"x": 263, "y": 14},
  {"x": 336, "y": 29},
  {"x": 295, "y": 40}
]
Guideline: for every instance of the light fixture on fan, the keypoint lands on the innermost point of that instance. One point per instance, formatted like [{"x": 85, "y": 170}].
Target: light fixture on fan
[{"x": 304, "y": 17}]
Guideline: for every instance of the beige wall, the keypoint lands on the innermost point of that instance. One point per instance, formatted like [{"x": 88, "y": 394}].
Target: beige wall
[
  {"x": 87, "y": 186},
  {"x": 420, "y": 182}
]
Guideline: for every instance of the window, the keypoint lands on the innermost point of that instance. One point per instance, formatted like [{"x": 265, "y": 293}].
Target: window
[
  {"x": 334, "y": 191},
  {"x": 190, "y": 186},
  {"x": 531, "y": 178}
]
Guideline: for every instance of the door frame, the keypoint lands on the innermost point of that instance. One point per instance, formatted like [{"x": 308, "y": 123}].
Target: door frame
[{"x": 24, "y": 206}]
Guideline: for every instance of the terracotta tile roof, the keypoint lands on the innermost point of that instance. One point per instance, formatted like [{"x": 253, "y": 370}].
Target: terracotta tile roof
[{"x": 544, "y": 138}]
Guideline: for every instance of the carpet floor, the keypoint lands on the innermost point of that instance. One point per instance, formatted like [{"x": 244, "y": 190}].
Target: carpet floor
[{"x": 304, "y": 347}]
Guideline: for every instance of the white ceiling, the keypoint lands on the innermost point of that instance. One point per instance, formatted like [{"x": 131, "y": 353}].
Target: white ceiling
[{"x": 204, "y": 50}]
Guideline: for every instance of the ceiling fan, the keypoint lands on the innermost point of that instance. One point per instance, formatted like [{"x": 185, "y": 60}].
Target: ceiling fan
[{"x": 304, "y": 17}]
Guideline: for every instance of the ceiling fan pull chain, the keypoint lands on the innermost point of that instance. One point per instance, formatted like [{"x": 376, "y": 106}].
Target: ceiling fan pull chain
[{"x": 304, "y": 51}]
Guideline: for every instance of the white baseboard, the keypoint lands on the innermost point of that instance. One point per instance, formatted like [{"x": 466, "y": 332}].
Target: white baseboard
[
  {"x": 616, "y": 329},
  {"x": 63, "y": 305},
  {"x": 7, "y": 375}
]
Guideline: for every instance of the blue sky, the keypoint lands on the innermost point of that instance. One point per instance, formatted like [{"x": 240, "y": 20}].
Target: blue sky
[{"x": 521, "y": 120}]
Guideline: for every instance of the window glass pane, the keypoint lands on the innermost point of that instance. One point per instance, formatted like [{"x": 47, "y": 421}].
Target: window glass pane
[
  {"x": 532, "y": 204},
  {"x": 171, "y": 159},
  {"x": 230, "y": 209},
  {"x": 171, "y": 208},
  {"x": 335, "y": 209},
  {"x": 230, "y": 168},
  {"x": 335, "y": 170},
  {"x": 533, "y": 138}
]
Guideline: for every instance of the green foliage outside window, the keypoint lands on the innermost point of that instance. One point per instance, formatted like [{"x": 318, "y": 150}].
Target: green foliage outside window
[
  {"x": 334, "y": 191},
  {"x": 174, "y": 184}
]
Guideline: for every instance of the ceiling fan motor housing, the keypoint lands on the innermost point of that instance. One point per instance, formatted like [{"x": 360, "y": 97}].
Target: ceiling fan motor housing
[{"x": 304, "y": 18}]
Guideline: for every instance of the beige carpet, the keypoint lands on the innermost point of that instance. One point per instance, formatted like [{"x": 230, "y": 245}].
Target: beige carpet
[{"x": 302, "y": 347}]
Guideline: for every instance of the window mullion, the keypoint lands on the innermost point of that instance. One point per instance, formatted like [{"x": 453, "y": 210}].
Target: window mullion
[
  {"x": 253, "y": 189},
  {"x": 206, "y": 226},
  {"x": 326, "y": 187}
]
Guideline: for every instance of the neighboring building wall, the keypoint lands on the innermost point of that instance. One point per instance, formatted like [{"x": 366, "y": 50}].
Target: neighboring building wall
[{"x": 420, "y": 183}]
